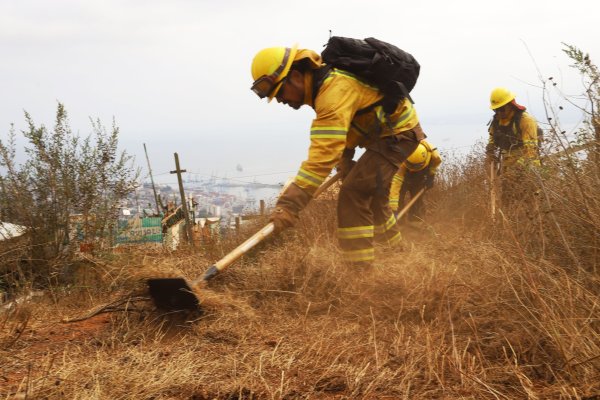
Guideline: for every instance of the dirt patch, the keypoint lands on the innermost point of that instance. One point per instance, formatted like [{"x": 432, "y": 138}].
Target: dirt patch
[{"x": 31, "y": 346}]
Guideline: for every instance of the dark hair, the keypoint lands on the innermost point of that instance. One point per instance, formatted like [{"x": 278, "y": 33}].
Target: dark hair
[{"x": 302, "y": 65}]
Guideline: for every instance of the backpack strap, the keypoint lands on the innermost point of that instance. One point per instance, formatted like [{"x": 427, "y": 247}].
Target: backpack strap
[
  {"x": 370, "y": 107},
  {"x": 319, "y": 76},
  {"x": 517, "y": 124}
]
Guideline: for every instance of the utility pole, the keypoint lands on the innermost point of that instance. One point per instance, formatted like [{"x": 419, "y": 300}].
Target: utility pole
[
  {"x": 178, "y": 171},
  {"x": 152, "y": 180}
]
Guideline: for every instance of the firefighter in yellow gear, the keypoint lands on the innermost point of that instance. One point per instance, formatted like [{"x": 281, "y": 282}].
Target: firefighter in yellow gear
[
  {"x": 513, "y": 142},
  {"x": 348, "y": 115},
  {"x": 416, "y": 173}
]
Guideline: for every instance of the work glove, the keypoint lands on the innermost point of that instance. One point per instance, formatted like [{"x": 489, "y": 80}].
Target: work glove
[
  {"x": 429, "y": 180},
  {"x": 346, "y": 163},
  {"x": 288, "y": 207},
  {"x": 282, "y": 219}
]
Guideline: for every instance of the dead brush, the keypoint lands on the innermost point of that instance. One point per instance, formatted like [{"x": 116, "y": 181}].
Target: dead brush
[
  {"x": 462, "y": 192},
  {"x": 456, "y": 318},
  {"x": 13, "y": 323},
  {"x": 540, "y": 299}
]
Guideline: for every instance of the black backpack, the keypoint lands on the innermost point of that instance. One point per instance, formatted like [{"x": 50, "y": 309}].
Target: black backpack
[{"x": 393, "y": 71}]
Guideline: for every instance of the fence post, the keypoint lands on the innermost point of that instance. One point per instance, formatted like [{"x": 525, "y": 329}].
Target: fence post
[{"x": 189, "y": 231}]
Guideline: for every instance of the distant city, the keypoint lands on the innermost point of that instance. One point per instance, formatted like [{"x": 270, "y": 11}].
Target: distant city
[{"x": 212, "y": 197}]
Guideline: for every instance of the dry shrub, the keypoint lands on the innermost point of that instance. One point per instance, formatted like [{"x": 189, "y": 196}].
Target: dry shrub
[
  {"x": 13, "y": 267},
  {"x": 569, "y": 212},
  {"x": 534, "y": 320},
  {"x": 461, "y": 191}
]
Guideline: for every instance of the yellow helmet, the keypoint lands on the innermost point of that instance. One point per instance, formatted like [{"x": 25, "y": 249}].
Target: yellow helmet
[
  {"x": 270, "y": 66},
  {"x": 500, "y": 96},
  {"x": 419, "y": 159}
]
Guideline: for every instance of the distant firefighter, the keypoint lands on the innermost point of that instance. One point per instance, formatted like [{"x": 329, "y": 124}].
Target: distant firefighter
[{"x": 513, "y": 143}]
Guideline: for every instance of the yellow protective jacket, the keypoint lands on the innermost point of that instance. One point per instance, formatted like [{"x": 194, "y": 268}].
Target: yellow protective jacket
[
  {"x": 337, "y": 124},
  {"x": 527, "y": 153},
  {"x": 398, "y": 180}
]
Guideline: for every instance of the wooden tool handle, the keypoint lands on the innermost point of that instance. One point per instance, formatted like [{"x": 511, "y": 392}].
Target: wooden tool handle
[
  {"x": 256, "y": 238},
  {"x": 410, "y": 203},
  {"x": 493, "y": 190}
]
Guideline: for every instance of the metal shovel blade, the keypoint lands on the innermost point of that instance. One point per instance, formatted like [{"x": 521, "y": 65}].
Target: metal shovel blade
[{"x": 172, "y": 294}]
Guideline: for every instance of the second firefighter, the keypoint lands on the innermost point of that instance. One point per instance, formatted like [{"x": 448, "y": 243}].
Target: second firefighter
[{"x": 415, "y": 174}]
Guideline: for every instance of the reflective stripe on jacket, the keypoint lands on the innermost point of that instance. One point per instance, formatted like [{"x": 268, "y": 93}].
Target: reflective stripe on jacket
[{"x": 337, "y": 124}]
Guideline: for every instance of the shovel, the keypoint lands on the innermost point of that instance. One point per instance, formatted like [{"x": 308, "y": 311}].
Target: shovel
[
  {"x": 409, "y": 205},
  {"x": 178, "y": 294}
]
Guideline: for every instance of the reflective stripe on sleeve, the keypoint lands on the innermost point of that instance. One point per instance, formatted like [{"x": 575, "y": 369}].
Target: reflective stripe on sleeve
[
  {"x": 309, "y": 178},
  {"x": 327, "y": 132}
]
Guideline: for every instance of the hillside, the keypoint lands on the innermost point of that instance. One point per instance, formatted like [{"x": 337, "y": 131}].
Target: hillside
[{"x": 461, "y": 310}]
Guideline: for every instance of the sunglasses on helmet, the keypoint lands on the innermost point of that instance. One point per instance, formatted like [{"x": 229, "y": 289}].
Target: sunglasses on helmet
[{"x": 265, "y": 85}]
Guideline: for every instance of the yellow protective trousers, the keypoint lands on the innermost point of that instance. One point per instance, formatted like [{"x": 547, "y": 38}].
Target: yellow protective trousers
[{"x": 364, "y": 213}]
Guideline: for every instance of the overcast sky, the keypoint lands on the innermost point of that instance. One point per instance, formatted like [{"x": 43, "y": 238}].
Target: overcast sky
[{"x": 176, "y": 74}]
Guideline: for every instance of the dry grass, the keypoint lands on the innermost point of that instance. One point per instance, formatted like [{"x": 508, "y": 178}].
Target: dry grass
[{"x": 467, "y": 310}]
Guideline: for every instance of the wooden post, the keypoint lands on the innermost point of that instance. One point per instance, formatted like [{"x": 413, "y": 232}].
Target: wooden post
[
  {"x": 237, "y": 223},
  {"x": 152, "y": 180},
  {"x": 188, "y": 226},
  {"x": 262, "y": 207},
  {"x": 493, "y": 190}
]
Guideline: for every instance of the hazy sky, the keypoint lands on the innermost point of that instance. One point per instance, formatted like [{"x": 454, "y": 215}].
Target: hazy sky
[{"x": 176, "y": 74}]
